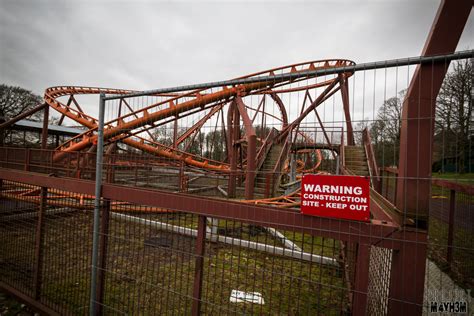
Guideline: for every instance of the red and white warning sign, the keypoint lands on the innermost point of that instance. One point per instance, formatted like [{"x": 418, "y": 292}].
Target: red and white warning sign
[{"x": 334, "y": 196}]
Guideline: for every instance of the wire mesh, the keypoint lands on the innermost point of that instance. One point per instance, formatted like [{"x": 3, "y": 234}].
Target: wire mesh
[{"x": 249, "y": 144}]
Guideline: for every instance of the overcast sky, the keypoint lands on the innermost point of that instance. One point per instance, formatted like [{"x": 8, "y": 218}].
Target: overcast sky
[{"x": 151, "y": 44}]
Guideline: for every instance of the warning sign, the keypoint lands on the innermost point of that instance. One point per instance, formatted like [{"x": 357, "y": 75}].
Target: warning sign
[{"x": 344, "y": 197}]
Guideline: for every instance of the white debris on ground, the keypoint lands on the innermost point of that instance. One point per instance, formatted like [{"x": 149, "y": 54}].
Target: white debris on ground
[{"x": 246, "y": 297}]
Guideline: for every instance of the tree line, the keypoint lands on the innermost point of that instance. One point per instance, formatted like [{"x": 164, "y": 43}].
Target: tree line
[{"x": 454, "y": 124}]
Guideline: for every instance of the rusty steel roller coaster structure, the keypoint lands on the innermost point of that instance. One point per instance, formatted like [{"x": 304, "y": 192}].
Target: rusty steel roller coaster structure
[
  {"x": 250, "y": 162},
  {"x": 237, "y": 149}
]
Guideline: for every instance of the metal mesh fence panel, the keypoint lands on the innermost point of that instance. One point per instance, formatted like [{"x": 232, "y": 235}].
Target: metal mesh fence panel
[
  {"x": 200, "y": 198},
  {"x": 379, "y": 280}
]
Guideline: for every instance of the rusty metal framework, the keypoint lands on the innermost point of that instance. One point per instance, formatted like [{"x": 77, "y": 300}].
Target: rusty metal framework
[{"x": 193, "y": 193}]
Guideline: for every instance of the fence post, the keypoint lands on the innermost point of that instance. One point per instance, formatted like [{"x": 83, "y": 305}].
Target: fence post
[
  {"x": 37, "y": 273},
  {"x": 198, "y": 270},
  {"x": 102, "y": 265},
  {"x": 97, "y": 204},
  {"x": 104, "y": 233},
  {"x": 78, "y": 165},
  {"x": 361, "y": 282},
  {"x": 396, "y": 189},
  {"x": 37, "y": 276},
  {"x": 407, "y": 275},
  {"x": 452, "y": 206},
  {"x": 27, "y": 159}
]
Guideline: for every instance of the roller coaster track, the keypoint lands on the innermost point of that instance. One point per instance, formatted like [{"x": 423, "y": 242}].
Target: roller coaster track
[
  {"x": 133, "y": 128},
  {"x": 125, "y": 128}
]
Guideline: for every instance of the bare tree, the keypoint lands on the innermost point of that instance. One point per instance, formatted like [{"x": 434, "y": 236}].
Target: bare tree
[
  {"x": 16, "y": 100},
  {"x": 385, "y": 130},
  {"x": 454, "y": 115}
]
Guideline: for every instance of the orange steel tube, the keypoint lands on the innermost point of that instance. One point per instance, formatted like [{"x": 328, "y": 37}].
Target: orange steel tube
[{"x": 170, "y": 111}]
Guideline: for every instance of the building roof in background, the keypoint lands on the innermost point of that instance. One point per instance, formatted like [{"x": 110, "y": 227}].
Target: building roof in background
[{"x": 52, "y": 129}]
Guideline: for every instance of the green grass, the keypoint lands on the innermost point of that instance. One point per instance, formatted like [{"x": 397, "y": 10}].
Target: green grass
[
  {"x": 456, "y": 177},
  {"x": 143, "y": 279},
  {"x": 462, "y": 268},
  {"x": 444, "y": 193},
  {"x": 437, "y": 191}
]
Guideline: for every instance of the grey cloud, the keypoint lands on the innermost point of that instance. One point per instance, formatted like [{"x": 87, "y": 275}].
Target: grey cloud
[{"x": 145, "y": 44}]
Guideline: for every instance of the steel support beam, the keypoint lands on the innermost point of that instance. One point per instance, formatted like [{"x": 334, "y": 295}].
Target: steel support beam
[
  {"x": 282, "y": 219},
  {"x": 310, "y": 108},
  {"x": 418, "y": 112},
  {"x": 234, "y": 134},
  {"x": 199, "y": 266},
  {"x": 361, "y": 282},
  {"x": 347, "y": 113},
  {"x": 407, "y": 277},
  {"x": 251, "y": 149}
]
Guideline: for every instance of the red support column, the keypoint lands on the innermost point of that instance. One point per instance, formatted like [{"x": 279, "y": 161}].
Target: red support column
[
  {"x": 347, "y": 113},
  {"x": 234, "y": 131},
  {"x": 251, "y": 149},
  {"x": 361, "y": 282},
  {"x": 407, "y": 275},
  {"x": 416, "y": 138}
]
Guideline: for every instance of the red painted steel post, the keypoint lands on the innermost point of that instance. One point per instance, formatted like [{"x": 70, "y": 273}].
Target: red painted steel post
[
  {"x": 452, "y": 206},
  {"x": 361, "y": 282},
  {"x": 181, "y": 184},
  {"x": 418, "y": 112},
  {"x": 78, "y": 165},
  {"x": 407, "y": 275},
  {"x": 175, "y": 131},
  {"x": 198, "y": 270},
  {"x": 234, "y": 130},
  {"x": 347, "y": 113},
  {"x": 136, "y": 173},
  {"x": 396, "y": 189},
  {"x": 250, "y": 174},
  {"x": 251, "y": 148},
  {"x": 51, "y": 169},
  {"x": 68, "y": 172},
  {"x": 27, "y": 159}
]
